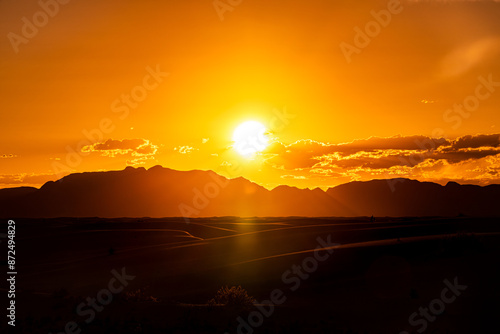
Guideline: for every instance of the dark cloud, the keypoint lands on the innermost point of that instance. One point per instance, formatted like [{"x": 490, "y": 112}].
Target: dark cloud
[
  {"x": 477, "y": 141},
  {"x": 465, "y": 154},
  {"x": 373, "y": 152},
  {"x": 382, "y": 153},
  {"x": 392, "y": 143},
  {"x": 362, "y": 145},
  {"x": 124, "y": 144},
  {"x": 113, "y": 147}
]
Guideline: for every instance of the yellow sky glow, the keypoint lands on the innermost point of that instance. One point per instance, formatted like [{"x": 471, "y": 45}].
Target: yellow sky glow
[{"x": 102, "y": 86}]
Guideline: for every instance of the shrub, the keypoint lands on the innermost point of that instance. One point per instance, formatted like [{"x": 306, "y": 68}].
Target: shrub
[
  {"x": 140, "y": 295},
  {"x": 234, "y": 296}
]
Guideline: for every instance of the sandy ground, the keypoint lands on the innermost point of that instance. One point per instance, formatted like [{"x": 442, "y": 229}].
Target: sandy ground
[{"x": 367, "y": 277}]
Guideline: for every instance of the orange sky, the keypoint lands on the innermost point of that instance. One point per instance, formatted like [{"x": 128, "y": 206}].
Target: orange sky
[{"x": 332, "y": 117}]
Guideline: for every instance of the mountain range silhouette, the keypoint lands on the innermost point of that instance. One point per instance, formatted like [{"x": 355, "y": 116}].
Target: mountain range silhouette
[{"x": 164, "y": 192}]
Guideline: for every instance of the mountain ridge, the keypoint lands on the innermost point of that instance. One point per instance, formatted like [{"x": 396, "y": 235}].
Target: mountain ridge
[{"x": 165, "y": 192}]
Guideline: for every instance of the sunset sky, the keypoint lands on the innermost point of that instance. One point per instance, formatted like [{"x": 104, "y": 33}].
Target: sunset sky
[{"x": 105, "y": 85}]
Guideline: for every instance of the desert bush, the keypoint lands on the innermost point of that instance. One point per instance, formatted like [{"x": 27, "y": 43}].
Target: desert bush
[
  {"x": 140, "y": 295},
  {"x": 234, "y": 296}
]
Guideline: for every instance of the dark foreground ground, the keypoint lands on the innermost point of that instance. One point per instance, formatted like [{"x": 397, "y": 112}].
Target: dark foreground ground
[{"x": 364, "y": 277}]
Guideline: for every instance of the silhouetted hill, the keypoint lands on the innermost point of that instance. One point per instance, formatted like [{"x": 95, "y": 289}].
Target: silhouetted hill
[
  {"x": 10, "y": 193},
  {"x": 414, "y": 198},
  {"x": 163, "y": 192}
]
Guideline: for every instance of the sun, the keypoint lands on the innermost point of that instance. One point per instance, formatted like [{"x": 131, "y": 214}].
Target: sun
[{"x": 249, "y": 138}]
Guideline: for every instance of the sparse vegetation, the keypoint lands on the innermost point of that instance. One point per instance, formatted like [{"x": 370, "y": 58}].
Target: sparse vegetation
[
  {"x": 140, "y": 295},
  {"x": 234, "y": 296}
]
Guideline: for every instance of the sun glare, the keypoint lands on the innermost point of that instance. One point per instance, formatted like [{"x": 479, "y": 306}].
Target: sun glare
[{"x": 249, "y": 138}]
